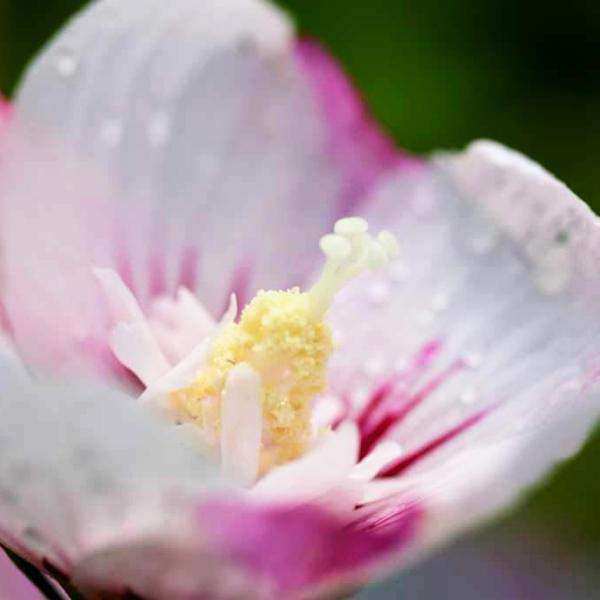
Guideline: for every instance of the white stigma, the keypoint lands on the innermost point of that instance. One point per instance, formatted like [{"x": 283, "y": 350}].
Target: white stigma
[{"x": 349, "y": 251}]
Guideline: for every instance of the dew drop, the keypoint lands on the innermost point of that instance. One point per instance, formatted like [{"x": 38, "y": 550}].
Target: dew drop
[
  {"x": 552, "y": 273},
  {"x": 573, "y": 386},
  {"x": 401, "y": 365},
  {"x": 425, "y": 317},
  {"x": 33, "y": 535},
  {"x": 374, "y": 366},
  {"x": 111, "y": 132},
  {"x": 159, "y": 129},
  {"x": 473, "y": 360},
  {"x": 66, "y": 63},
  {"x": 246, "y": 45},
  {"x": 440, "y": 302},
  {"x": 484, "y": 236},
  {"x": 379, "y": 293},
  {"x": 338, "y": 337},
  {"x": 398, "y": 271},
  {"x": 360, "y": 394},
  {"x": 468, "y": 397}
]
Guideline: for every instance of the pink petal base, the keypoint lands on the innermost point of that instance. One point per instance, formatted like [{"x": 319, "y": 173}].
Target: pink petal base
[{"x": 306, "y": 547}]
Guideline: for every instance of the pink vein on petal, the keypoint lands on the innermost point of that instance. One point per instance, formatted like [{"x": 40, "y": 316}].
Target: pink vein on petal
[
  {"x": 158, "y": 274},
  {"x": 358, "y": 145},
  {"x": 188, "y": 269},
  {"x": 377, "y": 432},
  {"x": 240, "y": 283},
  {"x": 404, "y": 463},
  {"x": 421, "y": 361}
]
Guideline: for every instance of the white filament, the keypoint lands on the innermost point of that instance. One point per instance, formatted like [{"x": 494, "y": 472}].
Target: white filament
[{"x": 349, "y": 251}]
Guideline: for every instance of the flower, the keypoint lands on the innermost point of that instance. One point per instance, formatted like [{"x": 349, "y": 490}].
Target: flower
[{"x": 163, "y": 163}]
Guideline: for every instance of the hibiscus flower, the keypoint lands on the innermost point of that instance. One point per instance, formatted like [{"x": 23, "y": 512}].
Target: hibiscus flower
[{"x": 250, "y": 349}]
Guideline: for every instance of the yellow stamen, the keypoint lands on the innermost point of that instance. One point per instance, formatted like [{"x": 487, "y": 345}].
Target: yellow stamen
[{"x": 282, "y": 336}]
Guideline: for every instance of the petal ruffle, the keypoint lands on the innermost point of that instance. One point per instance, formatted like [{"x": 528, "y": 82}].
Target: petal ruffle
[
  {"x": 477, "y": 351},
  {"x": 211, "y": 162}
]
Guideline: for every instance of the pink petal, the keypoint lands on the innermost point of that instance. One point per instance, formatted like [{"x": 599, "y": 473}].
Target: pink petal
[
  {"x": 5, "y": 112},
  {"x": 363, "y": 153},
  {"x": 253, "y": 551},
  {"x": 14, "y": 585},
  {"x": 301, "y": 549},
  {"x": 214, "y": 163},
  {"x": 477, "y": 352}
]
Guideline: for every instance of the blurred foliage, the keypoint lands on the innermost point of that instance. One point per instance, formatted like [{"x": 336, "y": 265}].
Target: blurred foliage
[{"x": 439, "y": 74}]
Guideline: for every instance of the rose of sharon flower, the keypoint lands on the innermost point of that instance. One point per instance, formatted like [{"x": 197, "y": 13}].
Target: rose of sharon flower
[{"x": 168, "y": 430}]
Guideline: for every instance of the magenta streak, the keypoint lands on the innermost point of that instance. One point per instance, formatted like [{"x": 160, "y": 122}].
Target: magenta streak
[
  {"x": 380, "y": 394},
  {"x": 370, "y": 438},
  {"x": 158, "y": 277},
  {"x": 188, "y": 268},
  {"x": 240, "y": 283},
  {"x": 422, "y": 360},
  {"x": 408, "y": 461}
]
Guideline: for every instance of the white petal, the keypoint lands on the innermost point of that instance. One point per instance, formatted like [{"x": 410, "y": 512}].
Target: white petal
[
  {"x": 82, "y": 467},
  {"x": 241, "y": 425},
  {"x": 131, "y": 340},
  {"x": 222, "y": 150},
  {"x": 183, "y": 373},
  {"x": 374, "y": 462},
  {"x": 209, "y": 144},
  {"x": 180, "y": 324},
  {"x": 319, "y": 471},
  {"x": 494, "y": 374}
]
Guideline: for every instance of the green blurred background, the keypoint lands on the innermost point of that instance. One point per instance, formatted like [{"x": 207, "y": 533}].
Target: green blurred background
[{"x": 438, "y": 74}]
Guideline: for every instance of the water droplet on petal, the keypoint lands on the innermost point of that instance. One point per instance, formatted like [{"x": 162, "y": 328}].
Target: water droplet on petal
[
  {"x": 361, "y": 394},
  {"x": 338, "y": 337},
  {"x": 401, "y": 364},
  {"x": 425, "y": 317},
  {"x": 379, "y": 293},
  {"x": 66, "y": 63},
  {"x": 159, "y": 129},
  {"x": 399, "y": 272},
  {"x": 374, "y": 366},
  {"x": 483, "y": 236},
  {"x": 468, "y": 397},
  {"x": 440, "y": 302},
  {"x": 246, "y": 45},
  {"x": 111, "y": 132},
  {"x": 552, "y": 272},
  {"x": 473, "y": 360}
]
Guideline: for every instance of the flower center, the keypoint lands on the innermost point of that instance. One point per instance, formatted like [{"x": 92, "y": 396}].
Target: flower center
[{"x": 282, "y": 337}]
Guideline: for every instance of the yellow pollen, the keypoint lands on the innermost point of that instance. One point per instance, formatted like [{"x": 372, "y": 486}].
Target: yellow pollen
[{"x": 283, "y": 337}]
